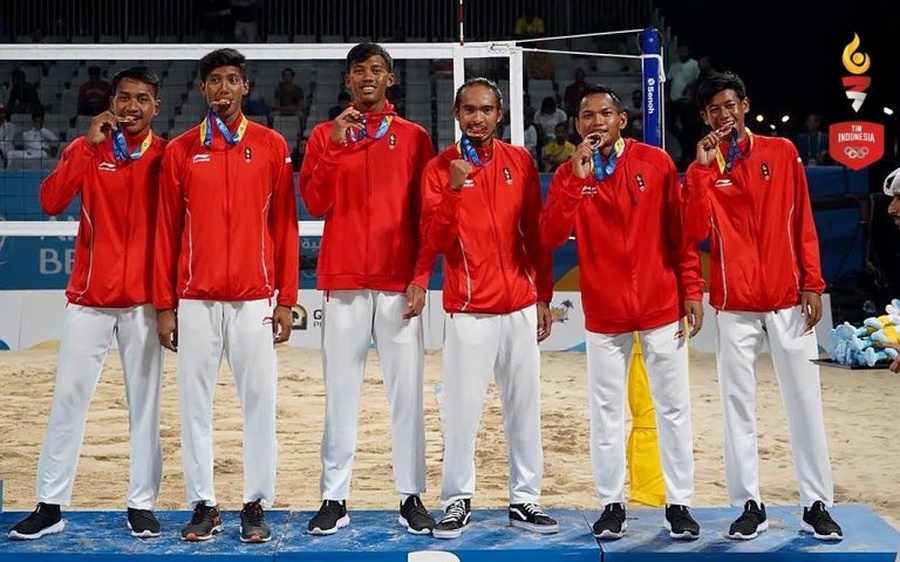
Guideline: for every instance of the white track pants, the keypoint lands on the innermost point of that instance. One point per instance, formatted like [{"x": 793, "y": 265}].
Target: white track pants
[
  {"x": 740, "y": 336},
  {"x": 87, "y": 335},
  {"x": 476, "y": 348},
  {"x": 242, "y": 331},
  {"x": 351, "y": 321},
  {"x": 666, "y": 358}
]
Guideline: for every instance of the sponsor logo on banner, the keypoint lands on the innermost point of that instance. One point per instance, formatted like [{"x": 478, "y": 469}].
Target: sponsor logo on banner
[
  {"x": 856, "y": 144},
  {"x": 651, "y": 88},
  {"x": 560, "y": 312},
  {"x": 298, "y": 313}
]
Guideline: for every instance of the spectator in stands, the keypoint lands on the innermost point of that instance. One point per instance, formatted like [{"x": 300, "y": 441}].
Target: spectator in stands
[
  {"x": 7, "y": 133},
  {"x": 574, "y": 92},
  {"x": 23, "y": 97},
  {"x": 681, "y": 110},
  {"x": 529, "y": 25},
  {"x": 93, "y": 95},
  {"x": 706, "y": 67},
  {"x": 539, "y": 65},
  {"x": 558, "y": 150},
  {"x": 245, "y": 14},
  {"x": 211, "y": 15},
  {"x": 549, "y": 116},
  {"x": 343, "y": 100},
  {"x": 37, "y": 141},
  {"x": 813, "y": 144},
  {"x": 289, "y": 97},
  {"x": 635, "y": 110},
  {"x": 531, "y": 137},
  {"x": 299, "y": 153}
]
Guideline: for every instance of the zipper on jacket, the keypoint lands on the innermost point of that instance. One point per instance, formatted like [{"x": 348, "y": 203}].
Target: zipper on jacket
[
  {"x": 632, "y": 298},
  {"x": 226, "y": 162},
  {"x": 129, "y": 186},
  {"x": 490, "y": 205}
]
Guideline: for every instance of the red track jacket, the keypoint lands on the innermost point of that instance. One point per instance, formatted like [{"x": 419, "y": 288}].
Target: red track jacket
[
  {"x": 634, "y": 270},
  {"x": 369, "y": 193},
  {"x": 764, "y": 248},
  {"x": 227, "y": 228},
  {"x": 494, "y": 261},
  {"x": 114, "y": 248}
]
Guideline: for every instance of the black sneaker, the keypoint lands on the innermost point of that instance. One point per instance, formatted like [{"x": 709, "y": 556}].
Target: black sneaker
[
  {"x": 680, "y": 524},
  {"x": 611, "y": 524},
  {"x": 455, "y": 520},
  {"x": 818, "y": 521},
  {"x": 751, "y": 523},
  {"x": 46, "y": 519},
  {"x": 415, "y": 517},
  {"x": 530, "y": 516},
  {"x": 332, "y": 516},
  {"x": 143, "y": 523},
  {"x": 253, "y": 523},
  {"x": 205, "y": 522}
]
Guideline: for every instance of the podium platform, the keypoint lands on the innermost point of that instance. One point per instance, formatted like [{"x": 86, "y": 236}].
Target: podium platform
[{"x": 375, "y": 536}]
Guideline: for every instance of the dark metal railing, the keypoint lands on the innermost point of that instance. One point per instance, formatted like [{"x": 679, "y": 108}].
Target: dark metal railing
[{"x": 307, "y": 20}]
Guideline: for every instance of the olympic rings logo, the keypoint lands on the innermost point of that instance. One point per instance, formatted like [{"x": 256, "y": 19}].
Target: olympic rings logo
[{"x": 856, "y": 153}]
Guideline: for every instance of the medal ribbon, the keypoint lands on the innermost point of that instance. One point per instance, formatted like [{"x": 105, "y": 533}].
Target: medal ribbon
[
  {"x": 601, "y": 170},
  {"x": 364, "y": 132},
  {"x": 212, "y": 118},
  {"x": 120, "y": 147},
  {"x": 726, "y": 163},
  {"x": 468, "y": 152}
]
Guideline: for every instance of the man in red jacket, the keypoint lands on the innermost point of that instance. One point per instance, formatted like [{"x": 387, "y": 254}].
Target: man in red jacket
[
  {"x": 749, "y": 194},
  {"x": 227, "y": 259},
  {"x": 482, "y": 203},
  {"x": 114, "y": 168},
  {"x": 362, "y": 172},
  {"x": 623, "y": 199}
]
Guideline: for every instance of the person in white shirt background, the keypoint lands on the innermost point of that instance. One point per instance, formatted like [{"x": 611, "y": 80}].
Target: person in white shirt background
[
  {"x": 36, "y": 141},
  {"x": 682, "y": 76},
  {"x": 7, "y": 133}
]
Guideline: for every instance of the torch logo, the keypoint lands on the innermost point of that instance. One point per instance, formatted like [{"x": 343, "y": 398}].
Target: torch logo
[{"x": 856, "y": 63}]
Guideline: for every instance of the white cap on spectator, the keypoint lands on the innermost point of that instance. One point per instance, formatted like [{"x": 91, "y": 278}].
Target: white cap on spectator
[{"x": 892, "y": 183}]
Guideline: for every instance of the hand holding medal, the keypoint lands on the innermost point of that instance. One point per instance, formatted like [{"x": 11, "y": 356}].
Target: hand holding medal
[{"x": 351, "y": 119}]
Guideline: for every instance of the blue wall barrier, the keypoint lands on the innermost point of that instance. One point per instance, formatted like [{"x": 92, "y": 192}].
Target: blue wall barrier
[{"x": 45, "y": 262}]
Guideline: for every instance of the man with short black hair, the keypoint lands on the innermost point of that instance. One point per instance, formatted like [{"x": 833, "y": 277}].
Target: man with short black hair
[
  {"x": 114, "y": 168},
  {"x": 227, "y": 259},
  {"x": 361, "y": 173}
]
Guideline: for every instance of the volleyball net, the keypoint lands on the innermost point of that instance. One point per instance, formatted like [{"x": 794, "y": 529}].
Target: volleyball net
[{"x": 36, "y": 250}]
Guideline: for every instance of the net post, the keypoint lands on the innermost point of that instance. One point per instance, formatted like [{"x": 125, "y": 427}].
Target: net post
[
  {"x": 516, "y": 101},
  {"x": 651, "y": 81}
]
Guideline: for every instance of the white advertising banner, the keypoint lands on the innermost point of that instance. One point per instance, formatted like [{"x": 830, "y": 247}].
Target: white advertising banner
[{"x": 34, "y": 318}]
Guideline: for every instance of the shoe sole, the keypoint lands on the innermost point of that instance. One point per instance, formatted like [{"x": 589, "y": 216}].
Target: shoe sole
[
  {"x": 145, "y": 534},
  {"x": 761, "y": 528},
  {"x": 409, "y": 529},
  {"x": 808, "y": 529},
  {"x": 539, "y": 529},
  {"x": 341, "y": 523},
  {"x": 51, "y": 530},
  {"x": 450, "y": 534},
  {"x": 683, "y": 536},
  {"x": 608, "y": 535},
  {"x": 254, "y": 538},
  {"x": 192, "y": 537}
]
